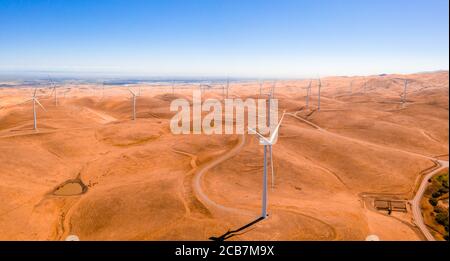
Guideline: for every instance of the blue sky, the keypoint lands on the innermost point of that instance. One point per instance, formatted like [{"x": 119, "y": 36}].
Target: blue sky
[{"x": 256, "y": 38}]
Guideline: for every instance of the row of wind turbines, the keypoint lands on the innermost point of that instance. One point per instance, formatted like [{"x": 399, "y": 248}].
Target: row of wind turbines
[
  {"x": 268, "y": 142},
  {"x": 225, "y": 93}
]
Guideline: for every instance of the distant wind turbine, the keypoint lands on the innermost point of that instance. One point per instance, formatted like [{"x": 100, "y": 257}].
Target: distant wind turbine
[
  {"x": 133, "y": 97},
  {"x": 308, "y": 91},
  {"x": 320, "y": 85},
  {"x": 53, "y": 90},
  {"x": 405, "y": 87},
  {"x": 404, "y": 92},
  {"x": 35, "y": 100}
]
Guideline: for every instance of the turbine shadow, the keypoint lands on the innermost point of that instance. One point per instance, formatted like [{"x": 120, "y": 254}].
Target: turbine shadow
[{"x": 231, "y": 233}]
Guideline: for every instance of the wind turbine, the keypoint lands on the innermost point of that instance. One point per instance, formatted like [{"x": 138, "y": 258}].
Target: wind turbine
[
  {"x": 267, "y": 142},
  {"x": 351, "y": 87},
  {"x": 320, "y": 85},
  {"x": 54, "y": 90},
  {"x": 308, "y": 91},
  {"x": 35, "y": 100},
  {"x": 134, "y": 102},
  {"x": 404, "y": 92},
  {"x": 405, "y": 87},
  {"x": 270, "y": 147}
]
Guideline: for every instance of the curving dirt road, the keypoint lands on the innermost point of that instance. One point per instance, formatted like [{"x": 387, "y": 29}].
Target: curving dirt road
[
  {"x": 368, "y": 143},
  {"x": 203, "y": 169},
  {"x": 415, "y": 202}
]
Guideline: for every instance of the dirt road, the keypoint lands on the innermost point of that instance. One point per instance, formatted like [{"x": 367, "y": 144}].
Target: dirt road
[
  {"x": 204, "y": 169},
  {"x": 415, "y": 202}
]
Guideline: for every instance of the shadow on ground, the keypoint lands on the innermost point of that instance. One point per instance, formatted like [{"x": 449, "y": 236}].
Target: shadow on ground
[{"x": 232, "y": 233}]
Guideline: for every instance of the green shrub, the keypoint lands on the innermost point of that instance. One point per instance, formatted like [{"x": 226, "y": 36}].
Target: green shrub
[
  {"x": 438, "y": 209},
  {"x": 433, "y": 201},
  {"x": 443, "y": 179},
  {"x": 436, "y": 194},
  {"x": 443, "y": 190},
  {"x": 442, "y": 218}
]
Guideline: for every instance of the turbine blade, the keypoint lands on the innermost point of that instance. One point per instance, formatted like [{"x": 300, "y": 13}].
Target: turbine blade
[
  {"x": 24, "y": 102},
  {"x": 37, "y": 101},
  {"x": 131, "y": 92},
  {"x": 34, "y": 93},
  {"x": 275, "y": 133},
  {"x": 257, "y": 133}
]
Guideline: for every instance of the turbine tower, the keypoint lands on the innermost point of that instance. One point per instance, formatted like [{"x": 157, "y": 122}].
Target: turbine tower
[
  {"x": 270, "y": 147},
  {"x": 320, "y": 85},
  {"x": 308, "y": 91},
  {"x": 404, "y": 92},
  {"x": 267, "y": 142},
  {"x": 35, "y": 100},
  {"x": 134, "y": 102},
  {"x": 54, "y": 90}
]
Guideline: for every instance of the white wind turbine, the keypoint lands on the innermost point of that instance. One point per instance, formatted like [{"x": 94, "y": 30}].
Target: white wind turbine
[
  {"x": 308, "y": 91},
  {"x": 404, "y": 92},
  {"x": 405, "y": 87},
  {"x": 267, "y": 142},
  {"x": 320, "y": 86},
  {"x": 133, "y": 97},
  {"x": 35, "y": 100},
  {"x": 54, "y": 91}
]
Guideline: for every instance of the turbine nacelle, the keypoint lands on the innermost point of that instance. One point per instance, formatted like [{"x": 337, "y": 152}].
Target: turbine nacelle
[{"x": 272, "y": 138}]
